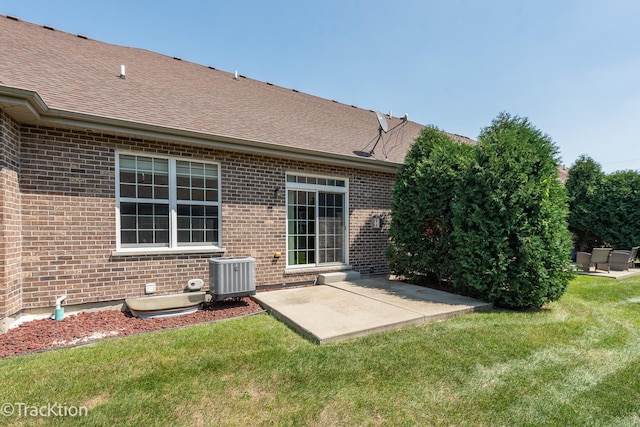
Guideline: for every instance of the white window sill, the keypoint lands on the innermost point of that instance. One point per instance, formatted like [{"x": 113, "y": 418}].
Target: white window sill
[
  {"x": 164, "y": 251},
  {"x": 320, "y": 269}
]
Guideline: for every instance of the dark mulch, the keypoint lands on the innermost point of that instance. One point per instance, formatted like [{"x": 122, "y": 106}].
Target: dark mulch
[{"x": 46, "y": 334}]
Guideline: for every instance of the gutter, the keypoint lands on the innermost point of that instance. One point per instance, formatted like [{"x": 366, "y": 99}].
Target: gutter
[{"x": 35, "y": 105}]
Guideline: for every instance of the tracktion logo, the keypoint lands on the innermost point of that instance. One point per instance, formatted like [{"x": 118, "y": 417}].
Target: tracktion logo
[{"x": 49, "y": 410}]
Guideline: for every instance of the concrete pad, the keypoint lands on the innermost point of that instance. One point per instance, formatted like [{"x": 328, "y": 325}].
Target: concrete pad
[
  {"x": 433, "y": 304},
  {"x": 329, "y": 313},
  {"x": 612, "y": 274},
  {"x": 326, "y": 314}
]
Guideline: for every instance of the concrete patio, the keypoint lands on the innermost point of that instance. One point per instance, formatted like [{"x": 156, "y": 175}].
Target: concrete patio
[
  {"x": 347, "y": 309},
  {"x": 610, "y": 274}
]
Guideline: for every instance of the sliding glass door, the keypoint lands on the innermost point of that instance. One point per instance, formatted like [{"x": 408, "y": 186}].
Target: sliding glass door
[
  {"x": 331, "y": 227},
  {"x": 316, "y": 222}
]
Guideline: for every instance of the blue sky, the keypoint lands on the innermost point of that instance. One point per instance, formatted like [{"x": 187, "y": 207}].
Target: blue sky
[{"x": 571, "y": 67}]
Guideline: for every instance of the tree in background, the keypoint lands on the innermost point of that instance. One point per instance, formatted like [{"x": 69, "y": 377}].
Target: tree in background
[
  {"x": 585, "y": 190},
  {"x": 603, "y": 208},
  {"x": 621, "y": 209},
  {"x": 492, "y": 218}
]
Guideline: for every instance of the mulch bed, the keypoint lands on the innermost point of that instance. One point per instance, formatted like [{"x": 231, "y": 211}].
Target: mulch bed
[{"x": 81, "y": 328}]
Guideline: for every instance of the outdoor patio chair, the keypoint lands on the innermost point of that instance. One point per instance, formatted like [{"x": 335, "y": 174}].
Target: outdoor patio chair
[
  {"x": 633, "y": 255},
  {"x": 624, "y": 260},
  {"x": 600, "y": 256},
  {"x": 583, "y": 259}
]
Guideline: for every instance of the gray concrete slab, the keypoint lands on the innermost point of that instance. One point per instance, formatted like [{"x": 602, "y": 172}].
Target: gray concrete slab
[
  {"x": 330, "y": 313},
  {"x": 324, "y": 313},
  {"x": 612, "y": 274},
  {"x": 431, "y": 303}
]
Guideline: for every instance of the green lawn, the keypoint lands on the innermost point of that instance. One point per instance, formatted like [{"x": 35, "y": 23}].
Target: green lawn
[{"x": 575, "y": 363}]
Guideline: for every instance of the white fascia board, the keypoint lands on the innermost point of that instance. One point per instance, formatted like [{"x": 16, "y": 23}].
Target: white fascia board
[{"x": 32, "y": 101}]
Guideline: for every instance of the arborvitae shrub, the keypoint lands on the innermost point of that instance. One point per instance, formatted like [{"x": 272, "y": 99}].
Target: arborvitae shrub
[
  {"x": 603, "y": 209},
  {"x": 492, "y": 218},
  {"x": 510, "y": 234},
  {"x": 421, "y": 205}
]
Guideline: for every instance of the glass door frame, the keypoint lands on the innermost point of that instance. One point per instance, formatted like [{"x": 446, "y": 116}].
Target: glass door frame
[{"x": 318, "y": 184}]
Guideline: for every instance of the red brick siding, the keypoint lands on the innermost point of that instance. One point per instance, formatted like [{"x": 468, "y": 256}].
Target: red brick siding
[
  {"x": 369, "y": 195},
  {"x": 10, "y": 227},
  {"x": 69, "y": 231}
]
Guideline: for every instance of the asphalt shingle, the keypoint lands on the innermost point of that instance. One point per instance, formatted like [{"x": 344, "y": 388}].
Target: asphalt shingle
[{"x": 75, "y": 74}]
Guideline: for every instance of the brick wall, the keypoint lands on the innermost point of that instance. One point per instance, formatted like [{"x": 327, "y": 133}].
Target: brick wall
[
  {"x": 10, "y": 221},
  {"x": 69, "y": 226},
  {"x": 369, "y": 195}
]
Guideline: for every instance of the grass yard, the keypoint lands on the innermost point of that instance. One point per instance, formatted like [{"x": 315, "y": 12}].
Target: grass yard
[{"x": 575, "y": 363}]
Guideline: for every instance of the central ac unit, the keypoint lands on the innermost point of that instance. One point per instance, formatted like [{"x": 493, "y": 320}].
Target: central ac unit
[{"x": 232, "y": 277}]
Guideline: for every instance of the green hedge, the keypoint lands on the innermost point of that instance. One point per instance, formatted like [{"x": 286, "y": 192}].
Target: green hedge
[
  {"x": 603, "y": 208},
  {"x": 422, "y": 209},
  {"x": 490, "y": 218}
]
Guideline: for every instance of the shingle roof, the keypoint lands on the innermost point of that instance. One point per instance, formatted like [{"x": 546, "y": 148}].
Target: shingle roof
[{"x": 73, "y": 74}]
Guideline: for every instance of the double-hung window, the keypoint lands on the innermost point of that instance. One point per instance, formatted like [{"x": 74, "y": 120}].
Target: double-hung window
[{"x": 167, "y": 203}]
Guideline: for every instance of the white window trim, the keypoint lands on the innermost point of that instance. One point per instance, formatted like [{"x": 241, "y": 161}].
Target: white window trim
[
  {"x": 173, "y": 247},
  {"x": 318, "y": 187}
]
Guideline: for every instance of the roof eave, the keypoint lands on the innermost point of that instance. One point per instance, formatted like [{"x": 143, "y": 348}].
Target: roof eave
[{"x": 30, "y": 103}]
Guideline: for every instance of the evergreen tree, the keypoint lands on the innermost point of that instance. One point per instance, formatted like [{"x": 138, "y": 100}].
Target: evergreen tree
[
  {"x": 603, "y": 208},
  {"x": 421, "y": 205},
  {"x": 620, "y": 209},
  {"x": 492, "y": 217},
  {"x": 510, "y": 234},
  {"x": 585, "y": 190}
]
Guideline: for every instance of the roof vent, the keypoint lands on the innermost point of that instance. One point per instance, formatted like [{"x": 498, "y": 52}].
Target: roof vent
[
  {"x": 235, "y": 75},
  {"x": 13, "y": 18},
  {"x": 48, "y": 27},
  {"x": 82, "y": 37},
  {"x": 122, "y": 72}
]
